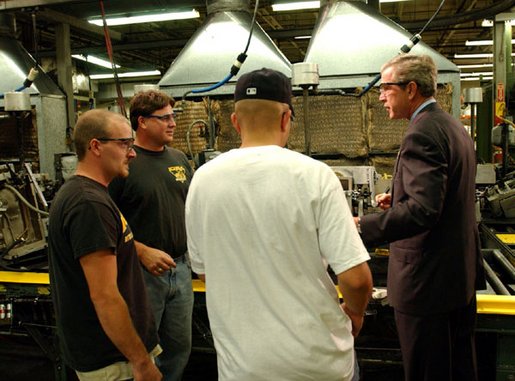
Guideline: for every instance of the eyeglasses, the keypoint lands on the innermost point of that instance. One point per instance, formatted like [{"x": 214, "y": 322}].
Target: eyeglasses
[
  {"x": 127, "y": 143},
  {"x": 385, "y": 85},
  {"x": 164, "y": 118}
]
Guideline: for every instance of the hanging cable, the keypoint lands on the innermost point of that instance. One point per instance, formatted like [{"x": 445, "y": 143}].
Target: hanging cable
[
  {"x": 235, "y": 68},
  {"x": 252, "y": 26},
  {"x": 432, "y": 18},
  {"x": 34, "y": 37},
  {"x": 406, "y": 48},
  {"x": 109, "y": 47},
  {"x": 33, "y": 73}
]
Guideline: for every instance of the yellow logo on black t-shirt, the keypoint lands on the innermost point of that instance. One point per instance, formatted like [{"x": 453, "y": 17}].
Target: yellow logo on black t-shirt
[
  {"x": 178, "y": 172},
  {"x": 126, "y": 232}
]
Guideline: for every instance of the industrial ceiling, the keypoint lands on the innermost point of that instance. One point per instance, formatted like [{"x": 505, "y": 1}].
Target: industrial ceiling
[{"x": 156, "y": 45}]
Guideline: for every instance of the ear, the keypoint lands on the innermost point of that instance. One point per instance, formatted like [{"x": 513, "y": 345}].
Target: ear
[
  {"x": 141, "y": 122},
  {"x": 235, "y": 123},
  {"x": 285, "y": 119},
  {"x": 94, "y": 147},
  {"x": 412, "y": 89}
]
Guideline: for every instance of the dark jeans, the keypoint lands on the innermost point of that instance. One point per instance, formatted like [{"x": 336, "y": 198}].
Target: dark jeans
[{"x": 439, "y": 347}]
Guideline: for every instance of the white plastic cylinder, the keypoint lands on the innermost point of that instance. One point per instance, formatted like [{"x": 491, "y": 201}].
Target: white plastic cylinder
[
  {"x": 473, "y": 95},
  {"x": 145, "y": 87},
  {"x": 305, "y": 74},
  {"x": 17, "y": 101}
]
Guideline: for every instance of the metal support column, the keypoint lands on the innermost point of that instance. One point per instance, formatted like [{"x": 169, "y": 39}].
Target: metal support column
[{"x": 64, "y": 68}]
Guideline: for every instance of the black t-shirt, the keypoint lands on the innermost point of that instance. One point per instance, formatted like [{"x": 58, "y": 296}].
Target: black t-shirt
[
  {"x": 153, "y": 198},
  {"x": 84, "y": 219}
]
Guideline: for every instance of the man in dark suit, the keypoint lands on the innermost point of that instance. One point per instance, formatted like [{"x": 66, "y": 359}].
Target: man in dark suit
[{"x": 429, "y": 219}]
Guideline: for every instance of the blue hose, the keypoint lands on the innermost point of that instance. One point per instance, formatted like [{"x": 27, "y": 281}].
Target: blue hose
[
  {"x": 2, "y": 96},
  {"x": 215, "y": 86}
]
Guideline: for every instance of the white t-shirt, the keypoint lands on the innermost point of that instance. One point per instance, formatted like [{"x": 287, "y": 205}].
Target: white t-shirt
[{"x": 262, "y": 224}]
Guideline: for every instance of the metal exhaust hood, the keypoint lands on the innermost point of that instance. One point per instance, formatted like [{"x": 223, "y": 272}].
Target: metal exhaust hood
[
  {"x": 207, "y": 57},
  {"x": 15, "y": 64},
  {"x": 352, "y": 40}
]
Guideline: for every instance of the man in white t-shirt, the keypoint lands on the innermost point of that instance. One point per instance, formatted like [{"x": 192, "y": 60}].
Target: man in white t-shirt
[{"x": 263, "y": 223}]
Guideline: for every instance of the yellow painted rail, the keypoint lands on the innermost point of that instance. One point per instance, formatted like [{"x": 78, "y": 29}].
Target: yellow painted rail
[
  {"x": 24, "y": 277},
  {"x": 495, "y": 304},
  {"x": 486, "y": 304},
  {"x": 506, "y": 238}
]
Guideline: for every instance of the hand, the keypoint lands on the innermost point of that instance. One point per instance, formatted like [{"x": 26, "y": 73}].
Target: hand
[
  {"x": 356, "y": 319},
  {"x": 156, "y": 261},
  {"x": 146, "y": 372},
  {"x": 384, "y": 200}
]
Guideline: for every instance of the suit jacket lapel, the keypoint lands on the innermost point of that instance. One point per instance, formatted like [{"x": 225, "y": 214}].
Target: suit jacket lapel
[{"x": 430, "y": 107}]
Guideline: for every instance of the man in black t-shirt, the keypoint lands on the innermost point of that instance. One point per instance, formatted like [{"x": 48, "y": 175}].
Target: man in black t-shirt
[
  {"x": 152, "y": 198},
  {"x": 104, "y": 323}
]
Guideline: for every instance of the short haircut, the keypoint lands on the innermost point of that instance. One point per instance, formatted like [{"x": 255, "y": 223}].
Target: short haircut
[
  {"x": 420, "y": 69},
  {"x": 90, "y": 125},
  {"x": 144, "y": 103}
]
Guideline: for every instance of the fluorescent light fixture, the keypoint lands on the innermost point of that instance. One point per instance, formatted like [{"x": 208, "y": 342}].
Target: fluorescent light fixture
[
  {"x": 476, "y": 79},
  {"x": 111, "y": 21},
  {"x": 477, "y": 74},
  {"x": 482, "y": 43},
  {"x": 475, "y": 66},
  {"x": 489, "y": 23},
  {"x": 131, "y": 74},
  {"x": 302, "y": 37},
  {"x": 95, "y": 60},
  {"x": 295, "y": 6},
  {"x": 479, "y": 43},
  {"x": 299, "y": 5},
  {"x": 477, "y": 55},
  {"x": 474, "y": 55}
]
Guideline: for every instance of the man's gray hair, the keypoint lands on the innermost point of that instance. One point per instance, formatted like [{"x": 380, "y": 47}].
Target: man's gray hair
[{"x": 420, "y": 69}]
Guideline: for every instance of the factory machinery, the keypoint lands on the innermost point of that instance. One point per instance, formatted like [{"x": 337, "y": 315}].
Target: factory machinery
[
  {"x": 25, "y": 304},
  {"x": 27, "y": 317},
  {"x": 28, "y": 344}
]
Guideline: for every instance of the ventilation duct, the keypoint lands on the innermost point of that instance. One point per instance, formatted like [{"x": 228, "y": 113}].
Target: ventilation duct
[
  {"x": 15, "y": 64},
  {"x": 207, "y": 57},
  {"x": 47, "y": 101},
  {"x": 351, "y": 41}
]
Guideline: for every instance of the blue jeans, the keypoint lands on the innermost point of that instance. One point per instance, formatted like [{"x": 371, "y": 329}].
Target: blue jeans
[{"x": 171, "y": 298}]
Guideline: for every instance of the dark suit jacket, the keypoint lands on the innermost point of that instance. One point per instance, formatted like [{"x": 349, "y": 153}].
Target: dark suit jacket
[{"x": 434, "y": 250}]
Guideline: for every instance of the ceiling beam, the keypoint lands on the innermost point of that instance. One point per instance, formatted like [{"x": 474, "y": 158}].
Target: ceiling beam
[
  {"x": 76, "y": 23},
  {"x": 6, "y": 4},
  {"x": 157, "y": 44}
]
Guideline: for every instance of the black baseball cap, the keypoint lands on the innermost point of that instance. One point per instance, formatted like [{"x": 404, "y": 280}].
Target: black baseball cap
[{"x": 265, "y": 84}]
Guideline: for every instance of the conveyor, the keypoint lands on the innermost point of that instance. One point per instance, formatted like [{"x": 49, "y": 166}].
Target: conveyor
[{"x": 32, "y": 316}]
